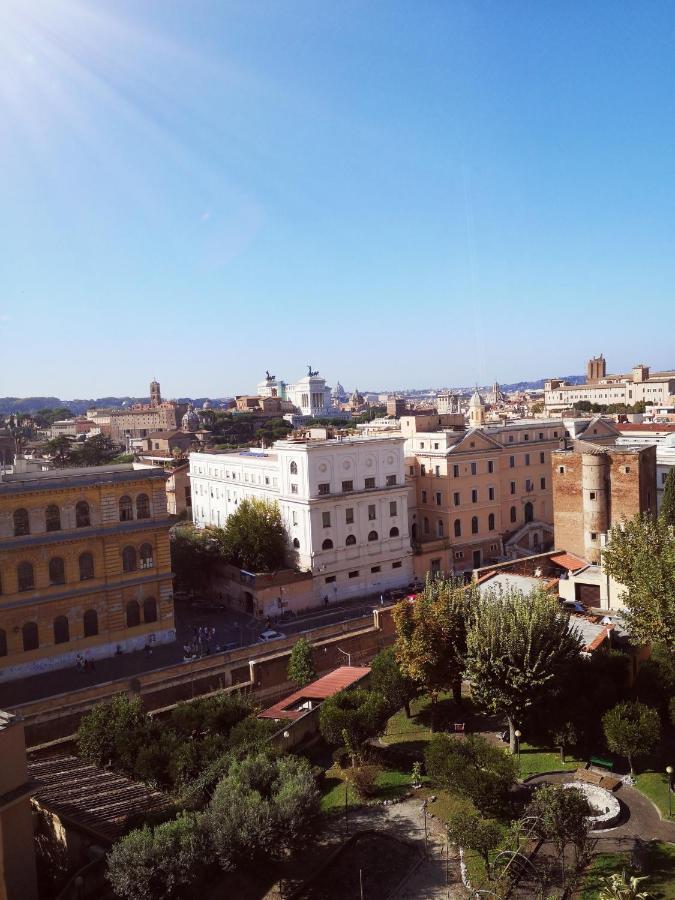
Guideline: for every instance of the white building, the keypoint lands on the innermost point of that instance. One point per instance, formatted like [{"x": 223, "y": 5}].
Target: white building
[
  {"x": 639, "y": 385},
  {"x": 344, "y": 503},
  {"x": 644, "y": 435},
  {"x": 310, "y": 395}
]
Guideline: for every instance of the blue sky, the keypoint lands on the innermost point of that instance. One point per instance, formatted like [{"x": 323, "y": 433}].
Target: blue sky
[{"x": 402, "y": 194}]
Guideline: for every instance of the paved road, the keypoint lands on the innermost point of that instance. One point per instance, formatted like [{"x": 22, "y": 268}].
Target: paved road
[{"x": 232, "y": 628}]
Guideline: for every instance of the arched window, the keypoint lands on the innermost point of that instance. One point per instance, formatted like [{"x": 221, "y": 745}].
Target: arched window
[
  {"x": 327, "y": 544},
  {"x": 21, "y": 522},
  {"x": 491, "y": 522},
  {"x": 90, "y": 620},
  {"x": 129, "y": 559},
  {"x": 126, "y": 509},
  {"x": 529, "y": 512},
  {"x": 474, "y": 525},
  {"x": 351, "y": 540},
  {"x": 146, "y": 556},
  {"x": 372, "y": 536},
  {"x": 53, "y": 518},
  {"x": 296, "y": 543},
  {"x": 294, "y": 468},
  {"x": 393, "y": 532},
  {"x": 61, "y": 630},
  {"x": 82, "y": 515},
  {"x": 25, "y": 576},
  {"x": 514, "y": 514},
  {"x": 142, "y": 506},
  {"x": 86, "y": 566},
  {"x": 439, "y": 528},
  {"x": 458, "y": 528},
  {"x": 31, "y": 639},
  {"x": 133, "y": 614},
  {"x": 149, "y": 609},
  {"x": 3, "y": 642},
  {"x": 57, "y": 570}
]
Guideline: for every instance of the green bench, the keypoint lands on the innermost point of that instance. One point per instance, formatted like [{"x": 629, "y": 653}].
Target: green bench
[{"x": 600, "y": 761}]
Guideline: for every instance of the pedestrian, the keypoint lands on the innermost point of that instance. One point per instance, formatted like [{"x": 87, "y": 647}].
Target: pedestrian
[
  {"x": 79, "y": 662},
  {"x": 213, "y": 632},
  {"x": 381, "y": 599},
  {"x": 325, "y": 600}
]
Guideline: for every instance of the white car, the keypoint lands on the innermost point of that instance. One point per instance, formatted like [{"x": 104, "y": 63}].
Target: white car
[{"x": 270, "y": 635}]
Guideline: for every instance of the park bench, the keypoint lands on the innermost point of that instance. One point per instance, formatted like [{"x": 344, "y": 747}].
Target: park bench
[
  {"x": 589, "y": 776},
  {"x": 459, "y": 727},
  {"x": 602, "y": 762}
]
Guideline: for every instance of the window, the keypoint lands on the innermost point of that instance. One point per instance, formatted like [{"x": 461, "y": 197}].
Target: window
[
  {"x": 474, "y": 496},
  {"x": 424, "y": 496},
  {"x": 426, "y": 525},
  {"x": 541, "y": 435},
  {"x": 455, "y": 471},
  {"x": 82, "y": 515},
  {"x": 61, "y": 630},
  {"x": 294, "y": 518},
  {"x": 129, "y": 563},
  {"x": 474, "y": 468},
  {"x": 393, "y": 532},
  {"x": 459, "y": 554},
  {"x": 133, "y": 614},
  {"x": 393, "y": 508},
  {"x": 514, "y": 514},
  {"x": 529, "y": 512},
  {"x": 327, "y": 544},
  {"x": 510, "y": 439},
  {"x": 325, "y": 519},
  {"x": 437, "y": 471},
  {"x": 354, "y": 574},
  {"x": 513, "y": 487},
  {"x": 474, "y": 525},
  {"x": 293, "y": 468},
  {"x": 491, "y": 493},
  {"x": 555, "y": 434},
  {"x": 31, "y": 639},
  {"x": 90, "y": 621},
  {"x": 491, "y": 467},
  {"x": 526, "y": 437},
  {"x": 25, "y": 576},
  {"x": 372, "y": 513},
  {"x": 440, "y": 531},
  {"x": 294, "y": 489},
  {"x": 412, "y": 469},
  {"x": 3, "y": 642},
  {"x": 347, "y": 486},
  {"x": 149, "y": 609},
  {"x": 439, "y": 498},
  {"x": 391, "y": 480},
  {"x": 126, "y": 509},
  {"x": 57, "y": 570},
  {"x": 21, "y": 522},
  {"x": 527, "y": 459},
  {"x": 529, "y": 485},
  {"x": 561, "y": 470},
  {"x": 455, "y": 498},
  {"x": 458, "y": 528},
  {"x": 491, "y": 522},
  {"x": 53, "y": 518},
  {"x": 542, "y": 484},
  {"x": 146, "y": 556},
  {"x": 351, "y": 540},
  {"x": 423, "y": 469},
  {"x": 372, "y": 536},
  {"x": 396, "y": 565},
  {"x": 370, "y": 482},
  {"x": 594, "y": 535},
  {"x": 542, "y": 458},
  {"x": 142, "y": 506},
  {"x": 421, "y": 445},
  {"x": 324, "y": 488},
  {"x": 627, "y": 470},
  {"x": 330, "y": 579},
  {"x": 512, "y": 462},
  {"x": 349, "y": 515},
  {"x": 435, "y": 445},
  {"x": 435, "y": 566},
  {"x": 296, "y": 544}
]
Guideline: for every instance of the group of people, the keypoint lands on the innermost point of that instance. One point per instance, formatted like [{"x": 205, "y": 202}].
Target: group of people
[
  {"x": 202, "y": 643},
  {"x": 83, "y": 664}
]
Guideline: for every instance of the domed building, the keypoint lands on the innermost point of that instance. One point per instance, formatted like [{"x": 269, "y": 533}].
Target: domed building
[
  {"x": 476, "y": 410},
  {"x": 190, "y": 421},
  {"x": 206, "y": 404}
]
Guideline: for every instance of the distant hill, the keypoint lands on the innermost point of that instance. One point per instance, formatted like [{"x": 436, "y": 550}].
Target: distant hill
[
  {"x": 33, "y": 404},
  {"x": 539, "y": 385}
]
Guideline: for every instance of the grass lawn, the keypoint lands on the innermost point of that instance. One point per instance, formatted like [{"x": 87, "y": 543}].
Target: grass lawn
[
  {"x": 655, "y": 786},
  {"x": 660, "y": 869},
  {"x": 413, "y": 733},
  {"x": 537, "y": 760},
  {"x": 391, "y": 784}
]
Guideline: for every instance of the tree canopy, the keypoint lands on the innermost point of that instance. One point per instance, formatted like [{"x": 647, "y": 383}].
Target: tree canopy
[
  {"x": 300, "y": 664},
  {"x": 667, "y": 512},
  {"x": 254, "y": 537},
  {"x": 631, "y": 730},
  {"x": 387, "y": 679},
  {"x": 352, "y": 717},
  {"x": 562, "y": 813}
]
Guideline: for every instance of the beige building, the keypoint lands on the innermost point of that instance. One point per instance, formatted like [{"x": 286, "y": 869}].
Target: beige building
[{"x": 17, "y": 858}]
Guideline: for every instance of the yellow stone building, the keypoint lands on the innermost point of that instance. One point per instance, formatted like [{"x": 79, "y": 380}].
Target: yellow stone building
[{"x": 85, "y": 566}]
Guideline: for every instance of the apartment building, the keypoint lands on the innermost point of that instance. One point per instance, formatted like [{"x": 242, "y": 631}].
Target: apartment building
[
  {"x": 344, "y": 503},
  {"x": 85, "y": 566}
]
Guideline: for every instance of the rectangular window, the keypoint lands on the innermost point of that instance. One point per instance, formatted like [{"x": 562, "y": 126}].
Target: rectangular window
[
  {"x": 435, "y": 567},
  {"x": 527, "y": 437},
  {"x": 393, "y": 508},
  {"x": 436, "y": 446},
  {"x": 294, "y": 489},
  {"x": 421, "y": 445},
  {"x": 295, "y": 517},
  {"x": 354, "y": 574},
  {"x": 412, "y": 470},
  {"x": 349, "y": 515},
  {"x": 325, "y": 519},
  {"x": 512, "y": 462},
  {"x": 474, "y": 468},
  {"x": 541, "y": 435},
  {"x": 592, "y": 495},
  {"x": 372, "y": 514},
  {"x": 455, "y": 498},
  {"x": 375, "y": 569},
  {"x": 423, "y": 469},
  {"x": 424, "y": 496},
  {"x": 474, "y": 496},
  {"x": 594, "y": 536},
  {"x": 510, "y": 439},
  {"x": 459, "y": 554},
  {"x": 542, "y": 457},
  {"x": 330, "y": 579},
  {"x": 455, "y": 471},
  {"x": 555, "y": 434},
  {"x": 561, "y": 470},
  {"x": 527, "y": 459},
  {"x": 491, "y": 493},
  {"x": 396, "y": 565},
  {"x": 324, "y": 488},
  {"x": 391, "y": 480},
  {"x": 369, "y": 483},
  {"x": 439, "y": 498},
  {"x": 347, "y": 486},
  {"x": 491, "y": 467},
  {"x": 528, "y": 485},
  {"x": 513, "y": 487},
  {"x": 437, "y": 471},
  {"x": 542, "y": 484}
]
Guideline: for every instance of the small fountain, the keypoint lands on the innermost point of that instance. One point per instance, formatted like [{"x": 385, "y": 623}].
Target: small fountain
[{"x": 605, "y": 808}]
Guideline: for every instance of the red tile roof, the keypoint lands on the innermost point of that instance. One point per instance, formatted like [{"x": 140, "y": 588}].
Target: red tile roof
[
  {"x": 327, "y": 686},
  {"x": 568, "y": 561},
  {"x": 646, "y": 426}
]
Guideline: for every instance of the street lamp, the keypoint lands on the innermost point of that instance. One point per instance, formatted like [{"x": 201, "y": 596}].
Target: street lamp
[
  {"x": 669, "y": 773},
  {"x": 518, "y": 734}
]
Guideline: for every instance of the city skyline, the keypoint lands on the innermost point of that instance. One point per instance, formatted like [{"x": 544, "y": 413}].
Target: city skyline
[{"x": 461, "y": 187}]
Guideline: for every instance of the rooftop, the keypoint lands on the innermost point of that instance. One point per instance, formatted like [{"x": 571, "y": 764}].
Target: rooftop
[
  {"x": 39, "y": 480},
  {"x": 292, "y": 707}
]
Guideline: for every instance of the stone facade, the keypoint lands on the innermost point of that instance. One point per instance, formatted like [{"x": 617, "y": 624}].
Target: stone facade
[
  {"x": 638, "y": 385},
  {"x": 85, "y": 566}
]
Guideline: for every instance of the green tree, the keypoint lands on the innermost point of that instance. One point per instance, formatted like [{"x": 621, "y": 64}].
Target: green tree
[
  {"x": 300, "y": 665},
  {"x": 59, "y": 450},
  {"x": 254, "y": 537},
  {"x": 640, "y": 555},
  {"x": 517, "y": 647},
  {"x": 350, "y": 718},
  {"x": 194, "y": 556},
  {"x": 387, "y": 679},
  {"x": 667, "y": 513},
  {"x": 473, "y": 768},
  {"x": 431, "y": 637},
  {"x": 471, "y": 832},
  {"x": 114, "y": 732},
  {"x": 631, "y": 730},
  {"x": 562, "y": 814}
]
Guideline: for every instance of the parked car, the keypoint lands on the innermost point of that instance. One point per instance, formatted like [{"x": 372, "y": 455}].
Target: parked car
[
  {"x": 573, "y": 606},
  {"x": 269, "y": 635}
]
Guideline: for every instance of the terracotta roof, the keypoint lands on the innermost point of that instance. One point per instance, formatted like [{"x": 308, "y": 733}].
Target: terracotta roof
[
  {"x": 569, "y": 561},
  {"x": 333, "y": 683},
  {"x": 648, "y": 427},
  {"x": 99, "y": 801}
]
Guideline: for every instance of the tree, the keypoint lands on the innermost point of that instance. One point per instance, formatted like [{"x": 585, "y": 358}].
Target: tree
[
  {"x": 431, "y": 637},
  {"x": 641, "y": 556},
  {"x": 113, "y": 733},
  {"x": 667, "y": 513},
  {"x": 631, "y": 730},
  {"x": 473, "y": 768},
  {"x": 350, "y": 718},
  {"x": 300, "y": 665},
  {"x": 468, "y": 830},
  {"x": 254, "y": 537},
  {"x": 387, "y": 679},
  {"x": 517, "y": 647},
  {"x": 562, "y": 814},
  {"x": 194, "y": 555}
]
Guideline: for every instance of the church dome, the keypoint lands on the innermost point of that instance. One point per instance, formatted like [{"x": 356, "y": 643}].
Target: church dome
[
  {"x": 206, "y": 404},
  {"x": 475, "y": 400},
  {"x": 190, "y": 421}
]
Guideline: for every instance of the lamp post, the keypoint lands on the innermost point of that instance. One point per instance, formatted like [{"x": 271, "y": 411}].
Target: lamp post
[
  {"x": 669, "y": 773},
  {"x": 518, "y": 734}
]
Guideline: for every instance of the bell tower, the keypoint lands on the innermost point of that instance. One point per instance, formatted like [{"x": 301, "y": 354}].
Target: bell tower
[{"x": 155, "y": 394}]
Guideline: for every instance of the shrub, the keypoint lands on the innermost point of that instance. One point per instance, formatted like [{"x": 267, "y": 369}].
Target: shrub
[
  {"x": 631, "y": 730},
  {"x": 358, "y": 714},
  {"x": 473, "y": 768},
  {"x": 364, "y": 780}
]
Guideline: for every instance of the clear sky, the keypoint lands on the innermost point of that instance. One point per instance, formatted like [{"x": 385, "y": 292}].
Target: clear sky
[{"x": 399, "y": 193}]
